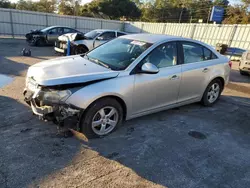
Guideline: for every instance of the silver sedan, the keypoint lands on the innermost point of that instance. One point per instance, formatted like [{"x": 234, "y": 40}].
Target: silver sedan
[{"x": 128, "y": 77}]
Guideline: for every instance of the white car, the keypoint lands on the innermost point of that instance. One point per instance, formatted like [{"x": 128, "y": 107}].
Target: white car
[
  {"x": 245, "y": 63},
  {"x": 81, "y": 43}
]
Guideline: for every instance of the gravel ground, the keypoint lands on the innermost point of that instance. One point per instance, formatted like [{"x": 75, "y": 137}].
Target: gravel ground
[{"x": 151, "y": 151}]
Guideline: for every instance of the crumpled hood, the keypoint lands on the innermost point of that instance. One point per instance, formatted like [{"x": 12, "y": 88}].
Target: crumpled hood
[
  {"x": 70, "y": 36},
  {"x": 68, "y": 70}
]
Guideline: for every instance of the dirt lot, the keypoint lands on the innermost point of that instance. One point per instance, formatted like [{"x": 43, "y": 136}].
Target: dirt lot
[{"x": 151, "y": 151}]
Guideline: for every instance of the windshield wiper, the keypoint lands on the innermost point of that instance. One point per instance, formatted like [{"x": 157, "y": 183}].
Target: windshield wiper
[{"x": 97, "y": 61}]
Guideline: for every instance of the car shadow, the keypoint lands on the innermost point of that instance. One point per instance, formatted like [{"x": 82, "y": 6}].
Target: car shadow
[
  {"x": 30, "y": 149},
  {"x": 12, "y": 68},
  {"x": 235, "y": 76},
  {"x": 159, "y": 148}
]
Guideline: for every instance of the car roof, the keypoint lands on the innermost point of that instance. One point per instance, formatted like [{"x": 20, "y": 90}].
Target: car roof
[
  {"x": 103, "y": 30},
  {"x": 151, "y": 38}
]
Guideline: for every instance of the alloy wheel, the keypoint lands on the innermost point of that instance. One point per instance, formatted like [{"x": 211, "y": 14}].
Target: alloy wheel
[
  {"x": 105, "y": 120},
  {"x": 213, "y": 92}
]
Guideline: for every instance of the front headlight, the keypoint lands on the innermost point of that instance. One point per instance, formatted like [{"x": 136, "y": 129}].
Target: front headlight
[{"x": 56, "y": 97}]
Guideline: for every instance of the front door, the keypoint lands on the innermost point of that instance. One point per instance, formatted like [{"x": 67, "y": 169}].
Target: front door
[
  {"x": 154, "y": 91},
  {"x": 52, "y": 35}
]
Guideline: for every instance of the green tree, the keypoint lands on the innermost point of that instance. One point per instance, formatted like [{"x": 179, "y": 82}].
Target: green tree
[
  {"x": 66, "y": 7},
  {"x": 237, "y": 15},
  {"x": 113, "y": 9},
  {"x": 7, "y": 4},
  {"x": 26, "y": 5},
  {"x": 46, "y": 6}
]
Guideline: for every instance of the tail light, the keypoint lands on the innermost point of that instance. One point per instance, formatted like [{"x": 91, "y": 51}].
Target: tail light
[{"x": 230, "y": 64}]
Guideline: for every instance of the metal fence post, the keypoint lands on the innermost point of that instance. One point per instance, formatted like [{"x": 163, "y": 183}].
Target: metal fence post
[
  {"x": 11, "y": 25},
  {"x": 123, "y": 26},
  {"x": 164, "y": 28},
  {"x": 75, "y": 22},
  {"x": 193, "y": 31},
  {"x": 142, "y": 25},
  {"x": 46, "y": 17},
  {"x": 232, "y": 35}
]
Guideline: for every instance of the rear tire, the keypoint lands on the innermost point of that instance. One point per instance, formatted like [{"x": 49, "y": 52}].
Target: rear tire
[
  {"x": 93, "y": 122},
  {"x": 243, "y": 73},
  {"x": 212, "y": 93}
]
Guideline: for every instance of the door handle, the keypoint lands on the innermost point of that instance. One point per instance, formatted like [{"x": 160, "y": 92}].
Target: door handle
[
  {"x": 174, "y": 77},
  {"x": 205, "y": 70}
]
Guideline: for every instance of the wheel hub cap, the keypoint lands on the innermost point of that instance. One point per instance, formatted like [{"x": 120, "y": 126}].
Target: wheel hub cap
[
  {"x": 105, "y": 120},
  {"x": 213, "y": 92}
]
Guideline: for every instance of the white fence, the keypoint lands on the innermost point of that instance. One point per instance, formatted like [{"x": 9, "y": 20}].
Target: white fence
[
  {"x": 16, "y": 23},
  {"x": 233, "y": 35}
]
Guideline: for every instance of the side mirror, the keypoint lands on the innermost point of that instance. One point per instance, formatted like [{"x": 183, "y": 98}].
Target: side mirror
[
  {"x": 149, "y": 68},
  {"x": 100, "y": 38}
]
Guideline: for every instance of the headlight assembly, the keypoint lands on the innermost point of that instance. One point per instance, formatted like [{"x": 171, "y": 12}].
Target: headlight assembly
[{"x": 56, "y": 97}]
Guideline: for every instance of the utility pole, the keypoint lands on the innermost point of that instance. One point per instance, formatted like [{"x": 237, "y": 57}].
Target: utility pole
[
  {"x": 180, "y": 15},
  {"x": 208, "y": 14}
]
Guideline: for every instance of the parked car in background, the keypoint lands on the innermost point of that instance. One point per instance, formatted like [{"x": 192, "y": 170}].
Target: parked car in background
[
  {"x": 244, "y": 66},
  {"x": 81, "y": 43},
  {"x": 127, "y": 77},
  {"x": 48, "y": 35}
]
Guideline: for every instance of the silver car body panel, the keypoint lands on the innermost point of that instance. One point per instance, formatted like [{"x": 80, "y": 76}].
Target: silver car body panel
[
  {"x": 63, "y": 71},
  {"x": 141, "y": 93}
]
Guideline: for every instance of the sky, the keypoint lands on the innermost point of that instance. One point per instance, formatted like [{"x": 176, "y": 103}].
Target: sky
[{"x": 87, "y": 1}]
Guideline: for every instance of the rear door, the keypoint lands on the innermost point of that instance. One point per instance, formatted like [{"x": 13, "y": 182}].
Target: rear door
[
  {"x": 104, "y": 37},
  {"x": 196, "y": 67}
]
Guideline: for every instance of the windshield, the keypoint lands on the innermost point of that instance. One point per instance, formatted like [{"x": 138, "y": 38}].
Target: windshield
[
  {"x": 92, "y": 34},
  {"x": 119, "y": 53}
]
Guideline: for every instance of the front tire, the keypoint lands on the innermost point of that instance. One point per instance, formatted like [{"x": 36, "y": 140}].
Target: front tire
[
  {"x": 212, "y": 93},
  {"x": 80, "y": 50},
  {"x": 101, "y": 118}
]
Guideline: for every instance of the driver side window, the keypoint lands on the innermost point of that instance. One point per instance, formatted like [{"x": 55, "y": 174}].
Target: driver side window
[
  {"x": 162, "y": 56},
  {"x": 53, "y": 31}
]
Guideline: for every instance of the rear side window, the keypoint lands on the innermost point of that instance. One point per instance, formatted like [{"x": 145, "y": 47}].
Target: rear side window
[
  {"x": 108, "y": 35},
  {"x": 208, "y": 54},
  {"x": 69, "y": 30},
  {"x": 192, "y": 52},
  {"x": 196, "y": 53}
]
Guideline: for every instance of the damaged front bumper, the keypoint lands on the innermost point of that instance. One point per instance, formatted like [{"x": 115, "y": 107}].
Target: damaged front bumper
[{"x": 59, "y": 113}]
